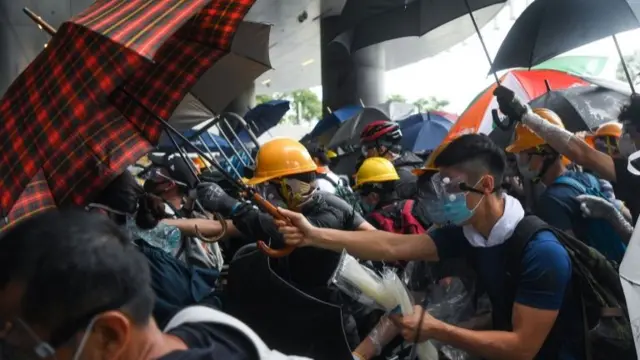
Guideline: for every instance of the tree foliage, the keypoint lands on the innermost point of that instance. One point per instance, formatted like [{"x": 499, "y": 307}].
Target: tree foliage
[
  {"x": 430, "y": 103},
  {"x": 305, "y": 105},
  {"x": 633, "y": 64}
]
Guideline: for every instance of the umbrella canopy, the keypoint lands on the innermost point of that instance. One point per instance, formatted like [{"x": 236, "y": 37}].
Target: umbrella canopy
[
  {"x": 425, "y": 131},
  {"x": 583, "y": 108},
  {"x": 334, "y": 120},
  {"x": 527, "y": 85},
  {"x": 206, "y": 142},
  {"x": 548, "y": 28},
  {"x": 263, "y": 117},
  {"x": 348, "y": 135},
  {"x": 232, "y": 74},
  {"x": 443, "y": 23},
  {"x": 396, "y": 110},
  {"x": 86, "y": 107}
]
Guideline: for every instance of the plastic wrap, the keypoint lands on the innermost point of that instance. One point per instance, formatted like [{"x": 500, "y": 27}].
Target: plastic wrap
[{"x": 386, "y": 292}]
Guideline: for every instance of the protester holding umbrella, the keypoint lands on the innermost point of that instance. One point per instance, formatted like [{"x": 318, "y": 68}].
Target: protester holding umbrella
[
  {"x": 285, "y": 176},
  {"x": 557, "y": 205},
  {"x": 382, "y": 139}
]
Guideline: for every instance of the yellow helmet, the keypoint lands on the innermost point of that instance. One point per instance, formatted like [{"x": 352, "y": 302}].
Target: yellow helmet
[
  {"x": 279, "y": 158},
  {"x": 612, "y": 129},
  {"x": 375, "y": 170},
  {"x": 527, "y": 139},
  {"x": 429, "y": 166},
  {"x": 331, "y": 154}
]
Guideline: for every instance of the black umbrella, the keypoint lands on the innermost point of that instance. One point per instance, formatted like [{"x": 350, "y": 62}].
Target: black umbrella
[
  {"x": 548, "y": 28},
  {"x": 443, "y": 22},
  {"x": 583, "y": 108},
  {"x": 348, "y": 135}
]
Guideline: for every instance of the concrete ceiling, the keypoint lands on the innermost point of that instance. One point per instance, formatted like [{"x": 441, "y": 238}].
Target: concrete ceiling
[
  {"x": 295, "y": 41},
  {"x": 294, "y": 49}
]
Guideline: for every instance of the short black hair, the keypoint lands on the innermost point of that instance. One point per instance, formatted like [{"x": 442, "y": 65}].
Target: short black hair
[
  {"x": 74, "y": 265},
  {"x": 319, "y": 152},
  {"x": 631, "y": 111},
  {"x": 475, "y": 154}
]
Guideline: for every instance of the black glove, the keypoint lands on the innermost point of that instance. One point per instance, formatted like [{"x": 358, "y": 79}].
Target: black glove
[
  {"x": 509, "y": 104},
  {"x": 214, "y": 198}
]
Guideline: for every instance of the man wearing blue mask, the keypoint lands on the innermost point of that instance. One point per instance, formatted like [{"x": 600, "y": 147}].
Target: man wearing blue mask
[{"x": 535, "y": 315}]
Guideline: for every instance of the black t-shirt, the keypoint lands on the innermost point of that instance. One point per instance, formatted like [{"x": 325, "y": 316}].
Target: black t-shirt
[
  {"x": 306, "y": 267},
  {"x": 210, "y": 341},
  {"x": 626, "y": 187}
]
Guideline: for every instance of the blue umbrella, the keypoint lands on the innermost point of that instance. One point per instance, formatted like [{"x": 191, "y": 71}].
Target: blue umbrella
[
  {"x": 335, "y": 119},
  {"x": 165, "y": 144},
  {"x": 263, "y": 117},
  {"x": 425, "y": 131}
]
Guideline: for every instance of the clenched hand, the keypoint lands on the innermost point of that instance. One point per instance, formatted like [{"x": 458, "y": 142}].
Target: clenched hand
[{"x": 298, "y": 231}]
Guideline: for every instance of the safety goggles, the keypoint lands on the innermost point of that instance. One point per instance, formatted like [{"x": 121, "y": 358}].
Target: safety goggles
[
  {"x": 442, "y": 187},
  {"x": 606, "y": 144}
]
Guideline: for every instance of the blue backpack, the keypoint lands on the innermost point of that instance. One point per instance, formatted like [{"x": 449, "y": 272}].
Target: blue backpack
[{"x": 599, "y": 234}]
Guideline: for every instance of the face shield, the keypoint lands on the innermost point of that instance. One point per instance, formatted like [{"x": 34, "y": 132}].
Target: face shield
[{"x": 446, "y": 199}]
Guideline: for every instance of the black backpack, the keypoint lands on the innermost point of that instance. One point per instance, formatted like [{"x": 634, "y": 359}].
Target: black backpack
[{"x": 596, "y": 282}]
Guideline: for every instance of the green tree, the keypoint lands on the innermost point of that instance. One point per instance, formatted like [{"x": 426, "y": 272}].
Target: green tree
[
  {"x": 305, "y": 106},
  {"x": 397, "y": 98},
  {"x": 430, "y": 103},
  {"x": 263, "y": 98},
  {"x": 633, "y": 64}
]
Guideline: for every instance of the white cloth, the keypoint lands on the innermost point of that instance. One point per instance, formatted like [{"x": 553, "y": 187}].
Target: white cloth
[
  {"x": 198, "y": 314},
  {"x": 502, "y": 230},
  {"x": 630, "y": 279},
  {"x": 328, "y": 185}
]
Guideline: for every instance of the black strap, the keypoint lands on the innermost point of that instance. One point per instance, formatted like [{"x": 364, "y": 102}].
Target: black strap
[
  {"x": 329, "y": 179},
  {"x": 524, "y": 232}
]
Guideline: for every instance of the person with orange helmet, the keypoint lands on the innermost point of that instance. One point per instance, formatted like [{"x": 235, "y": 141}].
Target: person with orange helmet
[
  {"x": 285, "y": 175},
  {"x": 606, "y": 138},
  {"x": 382, "y": 139},
  {"x": 557, "y": 205}
]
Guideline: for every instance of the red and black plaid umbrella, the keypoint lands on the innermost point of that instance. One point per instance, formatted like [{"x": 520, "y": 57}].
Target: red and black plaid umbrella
[{"x": 86, "y": 107}]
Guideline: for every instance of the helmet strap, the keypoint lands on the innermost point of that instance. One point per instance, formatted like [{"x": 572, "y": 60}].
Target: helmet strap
[{"x": 549, "y": 159}]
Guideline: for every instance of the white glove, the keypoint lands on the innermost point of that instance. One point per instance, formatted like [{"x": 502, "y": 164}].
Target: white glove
[{"x": 599, "y": 208}]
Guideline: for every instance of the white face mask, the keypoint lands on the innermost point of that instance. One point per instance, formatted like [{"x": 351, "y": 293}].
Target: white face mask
[
  {"x": 626, "y": 145},
  {"x": 524, "y": 169}
]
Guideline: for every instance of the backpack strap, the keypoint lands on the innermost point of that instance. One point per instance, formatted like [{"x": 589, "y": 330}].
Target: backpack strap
[
  {"x": 329, "y": 179},
  {"x": 526, "y": 229},
  {"x": 571, "y": 182}
]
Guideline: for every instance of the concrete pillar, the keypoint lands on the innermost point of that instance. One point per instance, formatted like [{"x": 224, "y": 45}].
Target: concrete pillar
[{"x": 348, "y": 79}]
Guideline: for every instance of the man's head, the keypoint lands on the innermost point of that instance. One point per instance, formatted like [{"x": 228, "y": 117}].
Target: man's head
[
  {"x": 72, "y": 282},
  {"x": 285, "y": 171},
  {"x": 375, "y": 181},
  {"x": 606, "y": 138},
  {"x": 536, "y": 160},
  {"x": 630, "y": 119},
  {"x": 170, "y": 177},
  {"x": 471, "y": 169},
  {"x": 381, "y": 139}
]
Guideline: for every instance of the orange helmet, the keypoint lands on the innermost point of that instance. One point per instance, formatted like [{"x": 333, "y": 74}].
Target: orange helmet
[
  {"x": 613, "y": 129},
  {"x": 526, "y": 139},
  {"x": 279, "y": 158}
]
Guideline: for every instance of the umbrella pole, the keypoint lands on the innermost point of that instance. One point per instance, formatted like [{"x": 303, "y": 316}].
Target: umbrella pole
[
  {"x": 41, "y": 23},
  {"x": 484, "y": 46},
  {"x": 246, "y": 126},
  {"x": 184, "y": 156},
  {"x": 624, "y": 65}
]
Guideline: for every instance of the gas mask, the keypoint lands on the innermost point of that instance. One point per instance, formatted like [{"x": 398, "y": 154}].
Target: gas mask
[{"x": 288, "y": 193}]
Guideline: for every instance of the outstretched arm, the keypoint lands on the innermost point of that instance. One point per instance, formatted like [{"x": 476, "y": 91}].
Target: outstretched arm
[{"x": 365, "y": 245}]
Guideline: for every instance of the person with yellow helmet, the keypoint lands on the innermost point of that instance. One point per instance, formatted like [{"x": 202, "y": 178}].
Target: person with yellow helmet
[{"x": 285, "y": 175}]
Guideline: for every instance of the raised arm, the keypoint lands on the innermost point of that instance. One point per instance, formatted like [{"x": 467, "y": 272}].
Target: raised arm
[
  {"x": 365, "y": 245},
  {"x": 571, "y": 146}
]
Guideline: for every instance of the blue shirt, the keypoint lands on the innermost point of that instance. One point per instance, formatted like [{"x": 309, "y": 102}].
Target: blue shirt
[
  {"x": 544, "y": 283},
  {"x": 558, "y": 206}
]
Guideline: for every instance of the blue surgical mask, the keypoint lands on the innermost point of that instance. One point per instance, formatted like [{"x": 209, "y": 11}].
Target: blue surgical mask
[
  {"x": 367, "y": 207},
  {"x": 455, "y": 209}
]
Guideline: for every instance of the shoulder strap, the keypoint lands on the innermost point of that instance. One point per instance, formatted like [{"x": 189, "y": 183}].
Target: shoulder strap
[
  {"x": 568, "y": 181},
  {"x": 524, "y": 232},
  {"x": 329, "y": 179}
]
